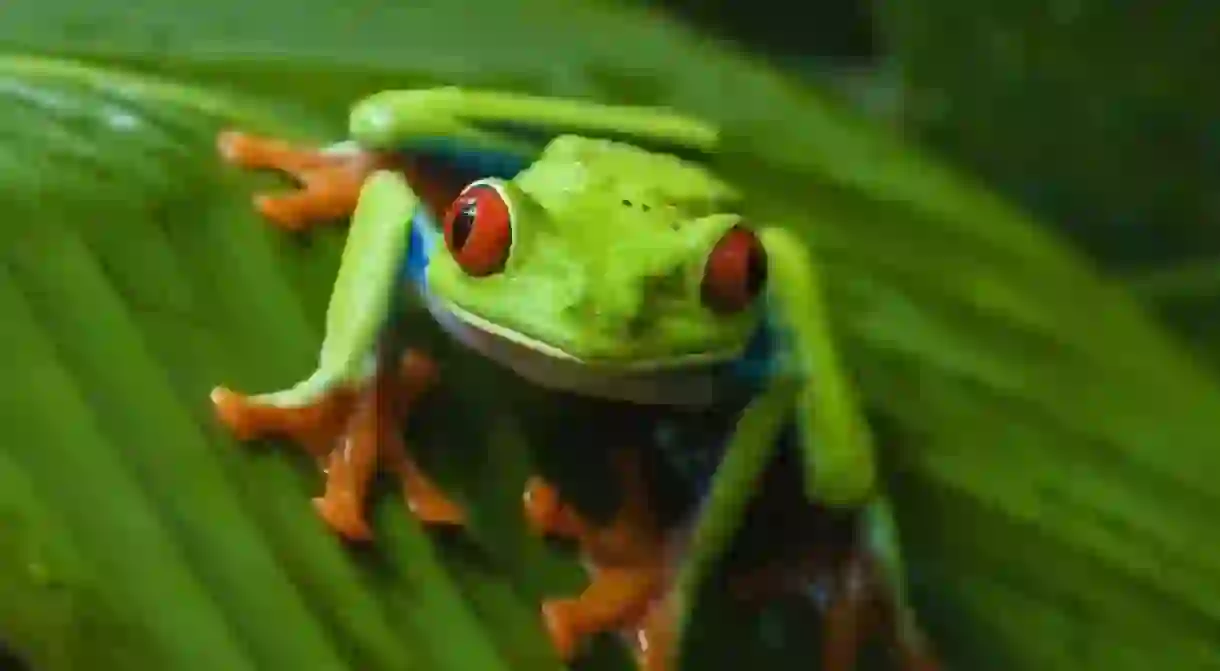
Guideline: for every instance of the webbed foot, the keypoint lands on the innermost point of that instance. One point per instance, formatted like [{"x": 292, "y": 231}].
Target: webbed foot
[
  {"x": 857, "y": 606},
  {"x": 628, "y": 568},
  {"x": 351, "y": 431},
  {"x": 330, "y": 179},
  {"x": 862, "y": 607}
]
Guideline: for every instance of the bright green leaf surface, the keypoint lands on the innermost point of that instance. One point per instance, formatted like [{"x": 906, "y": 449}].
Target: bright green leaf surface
[{"x": 1052, "y": 453}]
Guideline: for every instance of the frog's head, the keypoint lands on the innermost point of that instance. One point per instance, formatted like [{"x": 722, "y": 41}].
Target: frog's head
[{"x": 604, "y": 254}]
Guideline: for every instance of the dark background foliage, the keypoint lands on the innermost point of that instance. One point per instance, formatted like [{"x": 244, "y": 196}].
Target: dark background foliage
[{"x": 1102, "y": 117}]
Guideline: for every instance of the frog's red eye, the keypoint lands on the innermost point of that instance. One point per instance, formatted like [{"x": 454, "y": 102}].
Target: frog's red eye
[
  {"x": 735, "y": 273},
  {"x": 478, "y": 230}
]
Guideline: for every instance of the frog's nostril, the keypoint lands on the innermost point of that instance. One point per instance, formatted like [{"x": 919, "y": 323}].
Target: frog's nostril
[{"x": 664, "y": 284}]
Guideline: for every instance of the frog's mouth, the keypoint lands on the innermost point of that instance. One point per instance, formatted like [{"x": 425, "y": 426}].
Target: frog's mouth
[{"x": 698, "y": 379}]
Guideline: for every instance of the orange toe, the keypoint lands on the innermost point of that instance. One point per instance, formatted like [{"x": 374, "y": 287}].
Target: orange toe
[
  {"x": 297, "y": 210},
  {"x": 545, "y": 514},
  {"x": 655, "y": 638},
  {"x": 352, "y": 432},
  {"x": 558, "y": 616},
  {"x": 234, "y": 411},
  {"x": 627, "y": 559},
  {"x": 232, "y": 146},
  {"x": 343, "y": 517},
  {"x": 329, "y": 181},
  {"x": 257, "y": 152},
  {"x": 439, "y": 511}
]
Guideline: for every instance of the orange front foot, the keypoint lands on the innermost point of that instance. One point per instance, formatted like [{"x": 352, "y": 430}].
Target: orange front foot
[
  {"x": 627, "y": 559},
  {"x": 350, "y": 431},
  {"x": 330, "y": 180}
]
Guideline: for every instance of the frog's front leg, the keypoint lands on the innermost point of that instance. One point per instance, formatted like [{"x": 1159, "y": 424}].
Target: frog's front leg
[
  {"x": 882, "y": 562},
  {"x": 349, "y": 412},
  {"x": 330, "y": 178},
  {"x": 351, "y": 430},
  {"x": 840, "y": 470},
  {"x": 382, "y": 125},
  {"x": 627, "y": 558}
]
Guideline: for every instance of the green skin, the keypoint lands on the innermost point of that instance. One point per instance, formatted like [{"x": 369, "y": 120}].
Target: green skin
[
  {"x": 592, "y": 280},
  {"x": 589, "y": 282}
]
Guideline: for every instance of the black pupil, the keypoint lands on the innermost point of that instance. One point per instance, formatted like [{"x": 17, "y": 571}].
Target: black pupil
[
  {"x": 756, "y": 270},
  {"x": 463, "y": 223}
]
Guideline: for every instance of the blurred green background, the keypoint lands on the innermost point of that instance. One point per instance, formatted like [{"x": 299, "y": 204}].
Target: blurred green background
[{"x": 1016, "y": 205}]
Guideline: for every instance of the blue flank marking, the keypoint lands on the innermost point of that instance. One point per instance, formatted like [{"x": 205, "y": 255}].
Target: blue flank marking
[
  {"x": 419, "y": 248},
  {"x": 760, "y": 360}
]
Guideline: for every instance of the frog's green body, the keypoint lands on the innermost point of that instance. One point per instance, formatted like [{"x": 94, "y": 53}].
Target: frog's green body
[
  {"x": 588, "y": 265},
  {"x": 601, "y": 289}
]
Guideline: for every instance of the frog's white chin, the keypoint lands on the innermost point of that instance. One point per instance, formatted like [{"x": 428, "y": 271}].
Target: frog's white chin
[{"x": 699, "y": 383}]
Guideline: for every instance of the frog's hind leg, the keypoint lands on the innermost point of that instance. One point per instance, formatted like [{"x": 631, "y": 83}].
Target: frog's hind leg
[
  {"x": 897, "y": 621},
  {"x": 853, "y": 576},
  {"x": 862, "y": 596},
  {"x": 850, "y": 615},
  {"x": 864, "y": 606},
  {"x": 330, "y": 178},
  {"x": 626, "y": 556}
]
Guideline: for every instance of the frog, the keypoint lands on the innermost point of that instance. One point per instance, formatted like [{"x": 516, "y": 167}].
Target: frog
[{"x": 587, "y": 249}]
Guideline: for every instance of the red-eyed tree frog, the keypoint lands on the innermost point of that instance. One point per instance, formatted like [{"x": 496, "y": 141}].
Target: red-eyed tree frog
[{"x": 584, "y": 248}]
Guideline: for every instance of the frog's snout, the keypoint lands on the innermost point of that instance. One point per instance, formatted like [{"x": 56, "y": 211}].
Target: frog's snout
[
  {"x": 624, "y": 306},
  {"x": 613, "y": 305}
]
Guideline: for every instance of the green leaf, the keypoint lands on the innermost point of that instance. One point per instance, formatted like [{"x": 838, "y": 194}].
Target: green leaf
[
  {"x": 134, "y": 279},
  {"x": 1119, "y": 94},
  {"x": 1052, "y": 448}
]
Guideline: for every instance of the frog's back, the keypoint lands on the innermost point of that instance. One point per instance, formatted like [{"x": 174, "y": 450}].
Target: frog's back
[{"x": 572, "y": 165}]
